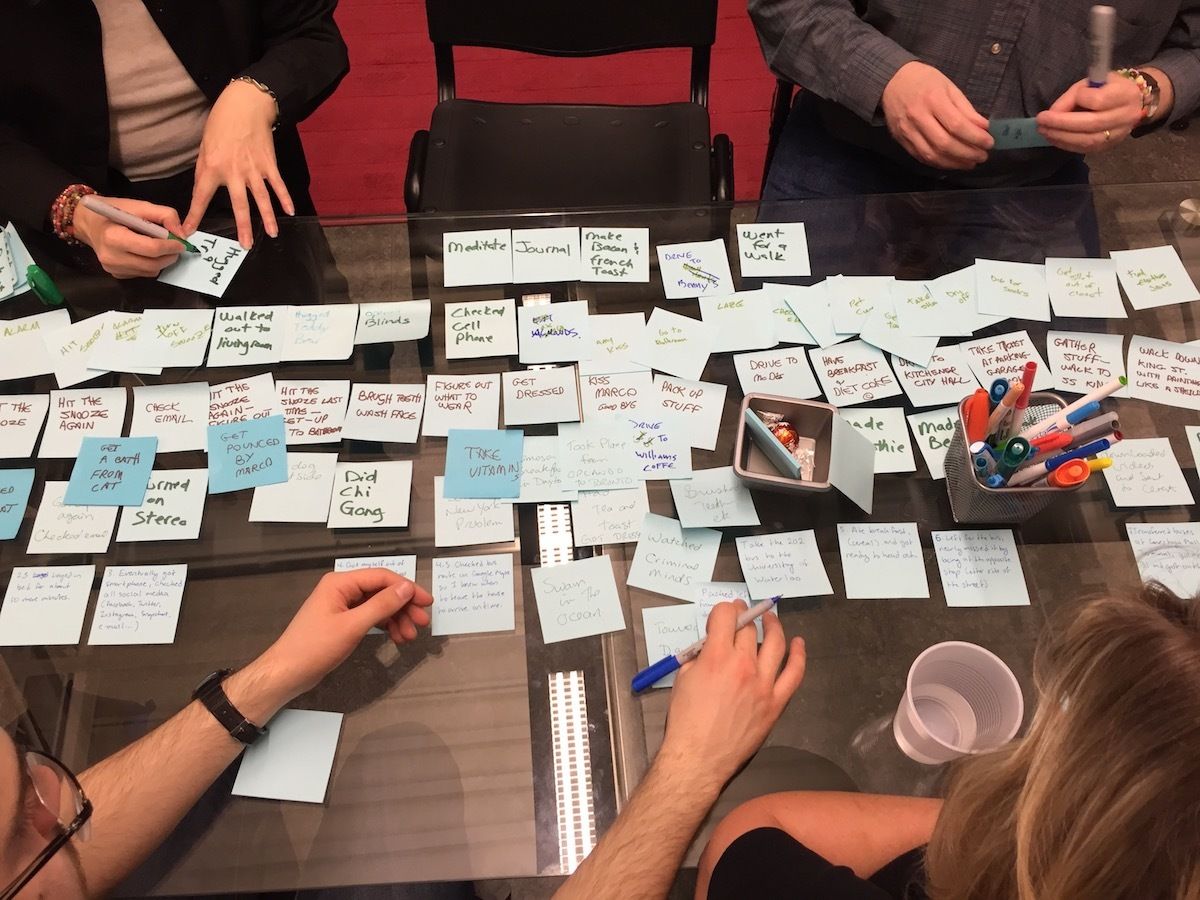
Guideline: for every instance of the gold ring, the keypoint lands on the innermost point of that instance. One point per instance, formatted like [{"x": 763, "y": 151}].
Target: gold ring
[{"x": 1107, "y": 134}]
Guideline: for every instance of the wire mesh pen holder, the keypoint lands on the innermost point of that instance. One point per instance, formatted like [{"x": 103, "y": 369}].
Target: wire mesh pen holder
[{"x": 975, "y": 503}]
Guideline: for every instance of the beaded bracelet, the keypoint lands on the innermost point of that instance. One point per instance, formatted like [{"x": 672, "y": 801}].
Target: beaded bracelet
[
  {"x": 62, "y": 212},
  {"x": 1145, "y": 85}
]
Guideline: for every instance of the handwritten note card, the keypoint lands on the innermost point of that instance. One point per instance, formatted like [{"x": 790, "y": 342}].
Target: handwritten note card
[
  {"x": 461, "y": 401},
  {"x": 474, "y": 594},
  {"x": 888, "y": 433},
  {"x": 477, "y": 257},
  {"x": 1162, "y": 372},
  {"x": 244, "y": 399},
  {"x": 325, "y": 331},
  {"x": 668, "y": 629},
  {"x": 211, "y": 270},
  {"x": 853, "y": 373},
  {"x": 660, "y": 445},
  {"x": 77, "y": 414},
  {"x": 248, "y": 454},
  {"x": 293, "y": 760},
  {"x": 619, "y": 393},
  {"x": 788, "y": 327},
  {"x": 554, "y": 332},
  {"x": 615, "y": 254},
  {"x": 115, "y": 351},
  {"x": 59, "y": 528},
  {"x": 14, "y": 263},
  {"x": 173, "y": 337},
  {"x": 883, "y": 330},
  {"x": 713, "y": 498},
  {"x": 247, "y": 336},
  {"x": 676, "y": 344},
  {"x": 738, "y": 322},
  {"x": 1145, "y": 473},
  {"x": 138, "y": 605},
  {"x": 483, "y": 464},
  {"x": 1004, "y": 356},
  {"x": 171, "y": 510},
  {"x": 609, "y": 517},
  {"x": 313, "y": 411},
  {"x": 541, "y": 473},
  {"x": 772, "y": 250},
  {"x": 882, "y": 561},
  {"x": 932, "y": 431},
  {"x": 785, "y": 565},
  {"x": 598, "y": 455},
  {"x": 70, "y": 350},
  {"x": 111, "y": 471},
  {"x": 21, "y": 420},
  {"x": 23, "y": 352},
  {"x": 694, "y": 269},
  {"x": 15, "y": 485},
  {"x": 1168, "y": 552},
  {"x": 304, "y": 497},
  {"x": 404, "y": 320},
  {"x": 405, "y": 565},
  {"x": 1154, "y": 277},
  {"x": 1013, "y": 289},
  {"x": 617, "y": 340},
  {"x": 545, "y": 254},
  {"x": 709, "y": 594},
  {"x": 1081, "y": 362},
  {"x": 958, "y": 305},
  {"x": 697, "y": 404},
  {"x": 813, "y": 307},
  {"x": 946, "y": 379},
  {"x": 917, "y": 311},
  {"x": 371, "y": 494},
  {"x": 853, "y": 299},
  {"x": 534, "y": 396},
  {"x": 45, "y": 606},
  {"x": 481, "y": 328},
  {"x": 669, "y": 558},
  {"x": 462, "y": 523},
  {"x": 1193, "y": 438},
  {"x": 980, "y": 568},
  {"x": 175, "y": 414},
  {"x": 577, "y": 599},
  {"x": 1086, "y": 288},
  {"x": 384, "y": 412}
]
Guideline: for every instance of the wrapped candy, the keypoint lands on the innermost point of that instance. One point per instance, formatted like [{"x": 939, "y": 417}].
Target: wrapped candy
[{"x": 802, "y": 450}]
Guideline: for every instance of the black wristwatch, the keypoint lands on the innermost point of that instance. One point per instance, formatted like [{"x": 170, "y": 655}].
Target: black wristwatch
[{"x": 212, "y": 695}]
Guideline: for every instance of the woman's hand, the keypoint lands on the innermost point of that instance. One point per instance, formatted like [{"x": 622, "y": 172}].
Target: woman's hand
[
  {"x": 237, "y": 152},
  {"x": 124, "y": 253}
]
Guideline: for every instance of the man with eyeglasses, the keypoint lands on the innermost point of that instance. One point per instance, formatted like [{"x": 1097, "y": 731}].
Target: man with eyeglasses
[{"x": 65, "y": 837}]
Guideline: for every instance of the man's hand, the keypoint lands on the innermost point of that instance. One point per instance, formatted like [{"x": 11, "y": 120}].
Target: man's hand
[
  {"x": 725, "y": 702},
  {"x": 1085, "y": 119},
  {"x": 933, "y": 120},
  {"x": 124, "y": 253},
  {"x": 237, "y": 152}
]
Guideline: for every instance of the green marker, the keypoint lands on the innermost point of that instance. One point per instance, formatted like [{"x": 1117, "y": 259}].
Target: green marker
[
  {"x": 1016, "y": 451},
  {"x": 43, "y": 286},
  {"x": 132, "y": 222}
]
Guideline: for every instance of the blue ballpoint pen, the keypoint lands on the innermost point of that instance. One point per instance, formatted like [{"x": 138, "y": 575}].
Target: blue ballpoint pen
[{"x": 655, "y": 673}]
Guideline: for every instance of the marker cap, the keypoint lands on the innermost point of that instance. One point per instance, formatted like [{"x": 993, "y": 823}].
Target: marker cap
[
  {"x": 1069, "y": 474},
  {"x": 43, "y": 286}
]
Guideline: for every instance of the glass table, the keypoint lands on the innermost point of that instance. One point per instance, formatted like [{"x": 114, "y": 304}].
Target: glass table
[{"x": 496, "y": 755}]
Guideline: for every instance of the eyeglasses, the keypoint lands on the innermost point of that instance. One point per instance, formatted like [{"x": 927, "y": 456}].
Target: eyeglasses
[{"x": 53, "y": 802}]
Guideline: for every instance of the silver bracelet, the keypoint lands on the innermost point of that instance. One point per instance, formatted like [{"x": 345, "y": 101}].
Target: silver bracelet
[{"x": 266, "y": 90}]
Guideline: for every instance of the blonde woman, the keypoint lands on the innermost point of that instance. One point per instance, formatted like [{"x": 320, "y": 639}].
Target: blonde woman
[{"x": 1100, "y": 801}]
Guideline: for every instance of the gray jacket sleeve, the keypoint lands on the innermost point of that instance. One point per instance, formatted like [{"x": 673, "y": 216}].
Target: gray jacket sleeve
[
  {"x": 824, "y": 47},
  {"x": 1179, "y": 58}
]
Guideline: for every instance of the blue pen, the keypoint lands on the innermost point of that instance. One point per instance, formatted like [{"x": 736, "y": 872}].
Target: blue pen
[
  {"x": 1078, "y": 453},
  {"x": 1084, "y": 412},
  {"x": 1100, "y": 42},
  {"x": 996, "y": 481},
  {"x": 997, "y": 391},
  {"x": 655, "y": 673}
]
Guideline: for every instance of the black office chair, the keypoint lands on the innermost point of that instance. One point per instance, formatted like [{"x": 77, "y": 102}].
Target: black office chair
[
  {"x": 781, "y": 106},
  {"x": 479, "y": 156}
]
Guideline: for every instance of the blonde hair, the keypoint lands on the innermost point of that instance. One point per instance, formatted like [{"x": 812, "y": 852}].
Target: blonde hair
[{"x": 1101, "y": 800}]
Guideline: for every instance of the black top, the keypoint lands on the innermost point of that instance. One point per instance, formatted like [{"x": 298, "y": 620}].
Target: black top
[
  {"x": 54, "y": 125},
  {"x": 769, "y": 864}
]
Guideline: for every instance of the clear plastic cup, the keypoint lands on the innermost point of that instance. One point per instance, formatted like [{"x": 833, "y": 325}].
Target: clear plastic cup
[{"x": 960, "y": 698}]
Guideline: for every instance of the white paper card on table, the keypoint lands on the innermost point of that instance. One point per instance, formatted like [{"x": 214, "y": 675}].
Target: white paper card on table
[
  {"x": 887, "y": 431},
  {"x": 313, "y": 411},
  {"x": 932, "y": 431},
  {"x": 171, "y": 511},
  {"x": 853, "y": 299},
  {"x": 577, "y": 599},
  {"x": 477, "y": 257},
  {"x": 660, "y": 445},
  {"x": 947, "y": 379},
  {"x": 23, "y": 351},
  {"x": 617, "y": 340},
  {"x": 1016, "y": 290},
  {"x": 1004, "y": 356},
  {"x": 542, "y": 255},
  {"x": 1145, "y": 473},
  {"x": 21, "y": 420},
  {"x": 615, "y": 254},
  {"x": 1193, "y": 438},
  {"x": 1164, "y": 372},
  {"x": 15, "y": 261},
  {"x": 325, "y": 331},
  {"x": 980, "y": 568},
  {"x": 116, "y": 349},
  {"x": 784, "y": 372},
  {"x": 474, "y": 594},
  {"x": 1081, "y": 361},
  {"x": 405, "y": 565},
  {"x": 1154, "y": 276},
  {"x": 45, "y": 606},
  {"x": 461, "y": 401},
  {"x": 1168, "y": 552},
  {"x": 738, "y": 322},
  {"x": 541, "y": 473},
  {"x": 536, "y": 396},
  {"x": 247, "y": 336},
  {"x": 598, "y": 455},
  {"x": 854, "y": 373},
  {"x": 399, "y": 320},
  {"x": 173, "y": 337},
  {"x": 882, "y": 561},
  {"x": 773, "y": 250},
  {"x": 138, "y": 605},
  {"x": 76, "y": 414},
  {"x": 243, "y": 399},
  {"x": 70, "y": 349},
  {"x": 957, "y": 300},
  {"x": 609, "y": 517},
  {"x": 624, "y": 392},
  {"x": 694, "y": 269},
  {"x": 698, "y": 404},
  {"x": 462, "y": 523},
  {"x": 58, "y": 528},
  {"x": 554, "y": 332},
  {"x": 304, "y": 497},
  {"x": 788, "y": 328},
  {"x": 667, "y": 630},
  {"x": 293, "y": 760},
  {"x": 918, "y": 312},
  {"x": 812, "y": 307},
  {"x": 371, "y": 494},
  {"x": 481, "y": 328},
  {"x": 669, "y": 558},
  {"x": 852, "y": 463},
  {"x": 707, "y": 594},
  {"x": 390, "y": 413},
  {"x": 713, "y": 498},
  {"x": 1086, "y": 288},
  {"x": 211, "y": 270},
  {"x": 676, "y": 344},
  {"x": 883, "y": 330},
  {"x": 783, "y": 565},
  {"x": 176, "y": 414}
]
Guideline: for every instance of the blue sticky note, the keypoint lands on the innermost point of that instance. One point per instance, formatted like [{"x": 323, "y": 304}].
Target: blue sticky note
[
  {"x": 483, "y": 463},
  {"x": 1015, "y": 134},
  {"x": 111, "y": 471},
  {"x": 15, "y": 485},
  {"x": 246, "y": 454}
]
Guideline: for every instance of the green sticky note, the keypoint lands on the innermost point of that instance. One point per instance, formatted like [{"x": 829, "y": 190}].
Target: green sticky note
[{"x": 1016, "y": 134}]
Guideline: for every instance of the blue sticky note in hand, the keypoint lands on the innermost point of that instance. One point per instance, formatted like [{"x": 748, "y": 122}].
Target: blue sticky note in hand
[
  {"x": 483, "y": 463},
  {"x": 15, "y": 485},
  {"x": 111, "y": 471},
  {"x": 1016, "y": 134},
  {"x": 246, "y": 454}
]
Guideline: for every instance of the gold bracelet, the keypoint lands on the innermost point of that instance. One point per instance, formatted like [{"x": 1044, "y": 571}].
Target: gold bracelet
[{"x": 266, "y": 90}]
